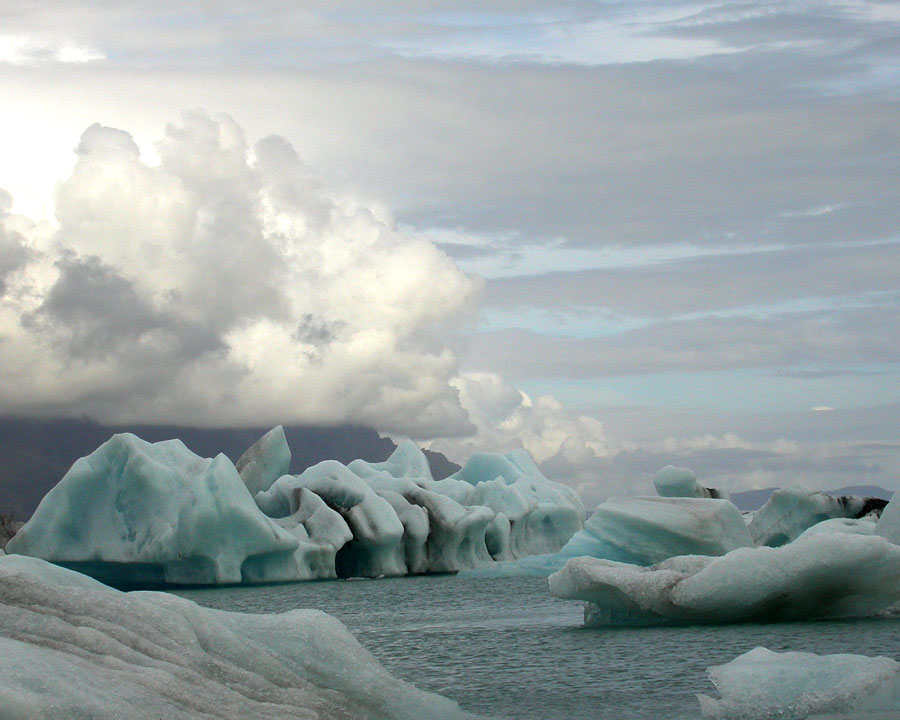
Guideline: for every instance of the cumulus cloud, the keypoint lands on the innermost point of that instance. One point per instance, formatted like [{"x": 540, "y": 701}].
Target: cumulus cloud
[
  {"x": 224, "y": 285},
  {"x": 507, "y": 418}
]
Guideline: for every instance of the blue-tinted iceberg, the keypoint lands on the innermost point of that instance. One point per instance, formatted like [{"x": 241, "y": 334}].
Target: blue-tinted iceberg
[
  {"x": 791, "y": 510},
  {"x": 73, "y": 648},
  {"x": 674, "y": 481},
  {"x": 642, "y": 531},
  {"x": 765, "y": 685},
  {"x": 139, "y": 512},
  {"x": 134, "y": 512},
  {"x": 819, "y": 576}
]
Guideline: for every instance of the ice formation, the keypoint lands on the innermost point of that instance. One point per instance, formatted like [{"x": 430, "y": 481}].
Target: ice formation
[
  {"x": 674, "y": 481},
  {"x": 764, "y": 685},
  {"x": 889, "y": 523},
  {"x": 792, "y": 510},
  {"x": 819, "y": 576},
  {"x": 139, "y": 512},
  {"x": 73, "y": 648},
  {"x": 642, "y": 531},
  {"x": 134, "y": 512}
]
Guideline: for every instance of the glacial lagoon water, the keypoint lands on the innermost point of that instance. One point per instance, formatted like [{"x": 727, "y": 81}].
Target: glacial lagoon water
[{"x": 506, "y": 648}]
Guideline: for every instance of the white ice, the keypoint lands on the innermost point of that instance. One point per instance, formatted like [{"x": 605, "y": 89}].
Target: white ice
[
  {"x": 819, "y": 576},
  {"x": 674, "y": 481},
  {"x": 766, "y": 685},
  {"x": 72, "y": 648},
  {"x": 791, "y": 510}
]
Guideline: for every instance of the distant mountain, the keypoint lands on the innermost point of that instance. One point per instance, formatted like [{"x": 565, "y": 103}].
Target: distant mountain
[
  {"x": 755, "y": 499},
  {"x": 36, "y": 453}
]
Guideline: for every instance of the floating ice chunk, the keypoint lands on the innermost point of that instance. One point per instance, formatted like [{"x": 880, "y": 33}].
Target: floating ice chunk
[
  {"x": 72, "y": 648},
  {"x": 841, "y": 526},
  {"x": 791, "y": 510},
  {"x": 765, "y": 685},
  {"x": 641, "y": 531},
  {"x": 265, "y": 461},
  {"x": 139, "y": 512},
  {"x": 415, "y": 531},
  {"x": 674, "y": 481},
  {"x": 376, "y": 547},
  {"x": 889, "y": 522},
  {"x": 816, "y": 577}
]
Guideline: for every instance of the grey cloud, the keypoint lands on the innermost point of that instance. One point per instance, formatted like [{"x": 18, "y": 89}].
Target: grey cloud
[
  {"x": 709, "y": 283},
  {"x": 838, "y": 337},
  {"x": 97, "y": 313}
]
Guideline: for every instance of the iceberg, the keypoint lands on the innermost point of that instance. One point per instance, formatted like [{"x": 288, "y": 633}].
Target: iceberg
[
  {"x": 765, "y": 685},
  {"x": 674, "y": 481},
  {"x": 152, "y": 513},
  {"x": 73, "y": 648},
  {"x": 819, "y": 576},
  {"x": 889, "y": 523},
  {"x": 138, "y": 513},
  {"x": 641, "y": 531},
  {"x": 791, "y": 510}
]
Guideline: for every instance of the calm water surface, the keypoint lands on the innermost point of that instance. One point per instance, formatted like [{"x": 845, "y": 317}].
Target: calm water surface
[{"x": 505, "y": 647}]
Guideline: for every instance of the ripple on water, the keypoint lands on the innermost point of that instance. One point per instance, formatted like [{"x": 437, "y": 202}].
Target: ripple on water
[{"x": 505, "y": 647}]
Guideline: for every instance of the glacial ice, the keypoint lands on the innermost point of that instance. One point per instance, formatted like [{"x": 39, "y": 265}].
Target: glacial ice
[
  {"x": 819, "y": 576},
  {"x": 265, "y": 461},
  {"x": 765, "y": 685},
  {"x": 641, "y": 531},
  {"x": 73, "y": 648},
  {"x": 889, "y": 523},
  {"x": 139, "y": 512},
  {"x": 791, "y": 510},
  {"x": 134, "y": 512},
  {"x": 674, "y": 481}
]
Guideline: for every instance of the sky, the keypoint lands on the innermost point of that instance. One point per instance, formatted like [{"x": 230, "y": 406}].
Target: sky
[{"x": 619, "y": 234}]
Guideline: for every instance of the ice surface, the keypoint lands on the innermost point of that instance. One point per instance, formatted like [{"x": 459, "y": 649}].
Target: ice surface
[
  {"x": 819, "y": 576},
  {"x": 265, "y": 461},
  {"x": 889, "y": 523},
  {"x": 791, "y": 510},
  {"x": 841, "y": 526},
  {"x": 139, "y": 513},
  {"x": 134, "y": 511},
  {"x": 72, "y": 648},
  {"x": 642, "y": 531},
  {"x": 765, "y": 685},
  {"x": 674, "y": 481}
]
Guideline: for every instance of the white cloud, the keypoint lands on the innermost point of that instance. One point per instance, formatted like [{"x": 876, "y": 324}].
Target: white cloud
[
  {"x": 30, "y": 50},
  {"x": 215, "y": 289}
]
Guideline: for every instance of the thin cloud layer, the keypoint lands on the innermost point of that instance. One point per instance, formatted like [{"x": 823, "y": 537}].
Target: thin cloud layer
[{"x": 225, "y": 286}]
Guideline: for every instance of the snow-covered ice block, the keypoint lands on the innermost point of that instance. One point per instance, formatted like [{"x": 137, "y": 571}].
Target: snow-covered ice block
[
  {"x": 72, "y": 648},
  {"x": 819, "y": 576},
  {"x": 139, "y": 512},
  {"x": 265, "y": 461},
  {"x": 766, "y": 685},
  {"x": 674, "y": 481},
  {"x": 791, "y": 510}
]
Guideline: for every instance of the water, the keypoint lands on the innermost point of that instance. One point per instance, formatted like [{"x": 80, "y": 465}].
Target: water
[{"x": 505, "y": 647}]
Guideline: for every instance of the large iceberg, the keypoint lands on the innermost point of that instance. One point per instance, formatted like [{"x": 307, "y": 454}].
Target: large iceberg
[
  {"x": 134, "y": 512},
  {"x": 791, "y": 510},
  {"x": 819, "y": 576},
  {"x": 765, "y": 685},
  {"x": 642, "y": 531},
  {"x": 150, "y": 513},
  {"x": 73, "y": 648}
]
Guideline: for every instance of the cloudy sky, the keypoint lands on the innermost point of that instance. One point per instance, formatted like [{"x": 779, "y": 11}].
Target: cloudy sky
[{"x": 622, "y": 234}]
